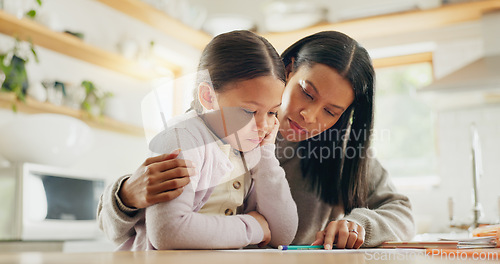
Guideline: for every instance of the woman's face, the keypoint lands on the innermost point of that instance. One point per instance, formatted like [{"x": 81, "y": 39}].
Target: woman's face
[{"x": 315, "y": 97}]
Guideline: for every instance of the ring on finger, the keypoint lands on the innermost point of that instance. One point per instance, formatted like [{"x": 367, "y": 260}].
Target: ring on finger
[{"x": 353, "y": 231}]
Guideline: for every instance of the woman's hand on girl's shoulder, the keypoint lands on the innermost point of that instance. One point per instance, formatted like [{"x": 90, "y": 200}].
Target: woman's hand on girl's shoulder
[
  {"x": 342, "y": 234},
  {"x": 159, "y": 179},
  {"x": 270, "y": 137}
]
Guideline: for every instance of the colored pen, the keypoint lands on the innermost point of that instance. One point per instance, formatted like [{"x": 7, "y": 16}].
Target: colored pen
[{"x": 300, "y": 247}]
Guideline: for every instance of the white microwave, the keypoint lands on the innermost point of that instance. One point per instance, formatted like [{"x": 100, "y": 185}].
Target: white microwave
[{"x": 48, "y": 203}]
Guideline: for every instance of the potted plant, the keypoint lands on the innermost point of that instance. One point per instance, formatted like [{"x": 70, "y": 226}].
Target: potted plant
[
  {"x": 13, "y": 70},
  {"x": 95, "y": 99}
]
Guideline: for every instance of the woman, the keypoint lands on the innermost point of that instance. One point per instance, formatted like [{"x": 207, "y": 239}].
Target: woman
[{"x": 344, "y": 196}]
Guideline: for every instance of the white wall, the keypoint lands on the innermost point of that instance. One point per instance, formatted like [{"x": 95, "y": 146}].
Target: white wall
[
  {"x": 454, "y": 150},
  {"x": 453, "y": 47},
  {"x": 455, "y": 169}
]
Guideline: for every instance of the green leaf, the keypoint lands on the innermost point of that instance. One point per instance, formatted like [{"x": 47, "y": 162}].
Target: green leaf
[
  {"x": 39, "y": 2},
  {"x": 31, "y": 13},
  {"x": 4, "y": 68},
  {"x": 34, "y": 54},
  {"x": 86, "y": 106},
  {"x": 89, "y": 87},
  {"x": 14, "y": 108}
]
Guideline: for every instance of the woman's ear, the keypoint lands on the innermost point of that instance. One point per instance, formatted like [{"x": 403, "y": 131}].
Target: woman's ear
[
  {"x": 290, "y": 69},
  {"x": 206, "y": 96}
]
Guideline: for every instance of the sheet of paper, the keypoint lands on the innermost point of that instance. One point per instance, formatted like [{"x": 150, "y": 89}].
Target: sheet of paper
[{"x": 335, "y": 251}]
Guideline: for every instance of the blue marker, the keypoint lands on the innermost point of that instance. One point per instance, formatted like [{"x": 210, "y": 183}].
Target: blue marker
[{"x": 300, "y": 247}]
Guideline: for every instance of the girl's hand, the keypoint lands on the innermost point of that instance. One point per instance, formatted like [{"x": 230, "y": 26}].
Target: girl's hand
[
  {"x": 270, "y": 138},
  {"x": 158, "y": 179},
  {"x": 342, "y": 233},
  {"x": 265, "y": 227}
]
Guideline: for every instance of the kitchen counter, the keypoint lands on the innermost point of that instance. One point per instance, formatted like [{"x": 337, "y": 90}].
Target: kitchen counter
[
  {"x": 268, "y": 256},
  {"x": 41, "y": 246},
  {"x": 69, "y": 246}
]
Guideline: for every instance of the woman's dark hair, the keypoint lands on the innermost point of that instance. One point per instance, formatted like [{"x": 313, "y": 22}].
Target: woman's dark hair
[
  {"x": 237, "y": 56},
  {"x": 340, "y": 177}
]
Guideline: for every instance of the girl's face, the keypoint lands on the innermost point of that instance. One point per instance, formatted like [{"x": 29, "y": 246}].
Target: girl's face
[
  {"x": 249, "y": 109},
  {"x": 315, "y": 97}
]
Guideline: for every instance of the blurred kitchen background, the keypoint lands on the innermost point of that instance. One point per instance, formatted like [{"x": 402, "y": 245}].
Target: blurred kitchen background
[{"x": 438, "y": 85}]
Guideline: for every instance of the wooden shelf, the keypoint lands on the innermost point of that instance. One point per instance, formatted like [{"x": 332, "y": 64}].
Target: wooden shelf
[
  {"x": 365, "y": 28},
  {"x": 386, "y": 25},
  {"x": 402, "y": 60},
  {"x": 33, "y": 107},
  {"x": 26, "y": 29},
  {"x": 159, "y": 20}
]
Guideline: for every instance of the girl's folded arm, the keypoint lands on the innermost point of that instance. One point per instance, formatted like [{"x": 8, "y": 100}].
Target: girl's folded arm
[
  {"x": 271, "y": 197},
  {"x": 174, "y": 225}
]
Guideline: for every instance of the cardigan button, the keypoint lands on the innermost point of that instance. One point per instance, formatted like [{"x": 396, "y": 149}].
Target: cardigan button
[
  {"x": 237, "y": 185},
  {"x": 228, "y": 212}
]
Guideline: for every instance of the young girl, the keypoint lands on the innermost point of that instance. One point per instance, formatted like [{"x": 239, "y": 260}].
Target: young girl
[{"x": 238, "y": 194}]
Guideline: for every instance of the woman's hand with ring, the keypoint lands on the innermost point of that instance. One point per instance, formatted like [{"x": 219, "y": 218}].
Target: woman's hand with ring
[{"x": 342, "y": 234}]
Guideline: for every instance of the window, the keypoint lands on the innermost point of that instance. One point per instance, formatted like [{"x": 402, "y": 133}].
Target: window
[{"x": 404, "y": 134}]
